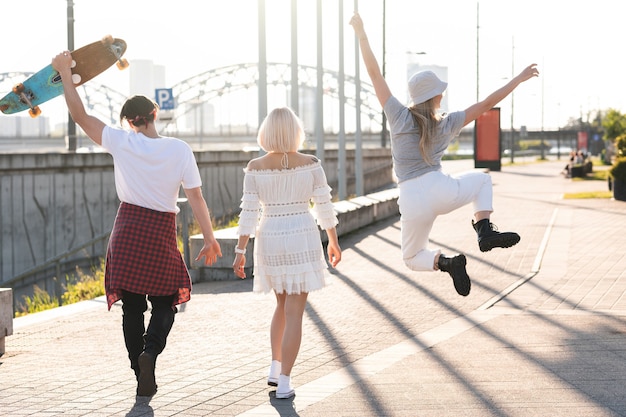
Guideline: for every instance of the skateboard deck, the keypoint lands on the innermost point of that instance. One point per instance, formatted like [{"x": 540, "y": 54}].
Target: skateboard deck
[{"x": 88, "y": 62}]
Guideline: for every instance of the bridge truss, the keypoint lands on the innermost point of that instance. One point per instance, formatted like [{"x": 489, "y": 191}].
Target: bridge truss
[{"x": 232, "y": 94}]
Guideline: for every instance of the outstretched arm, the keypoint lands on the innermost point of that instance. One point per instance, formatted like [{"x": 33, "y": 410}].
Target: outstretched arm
[
  {"x": 474, "y": 111},
  {"x": 371, "y": 64},
  {"x": 91, "y": 125}
]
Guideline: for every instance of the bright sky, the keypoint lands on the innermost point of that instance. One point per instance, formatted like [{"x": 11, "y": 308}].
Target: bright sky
[{"x": 576, "y": 44}]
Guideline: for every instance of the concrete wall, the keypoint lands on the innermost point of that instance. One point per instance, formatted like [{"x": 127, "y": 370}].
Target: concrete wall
[{"x": 51, "y": 203}]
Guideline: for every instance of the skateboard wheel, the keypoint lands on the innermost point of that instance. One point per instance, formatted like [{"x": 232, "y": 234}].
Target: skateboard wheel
[
  {"x": 107, "y": 40},
  {"x": 76, "y": 78},
  {"x": 73, "y": 64},
  {"x": 122, "y": 63},
  {"x": 18, "y": 88},
  {"x": 34, "y": 112}
]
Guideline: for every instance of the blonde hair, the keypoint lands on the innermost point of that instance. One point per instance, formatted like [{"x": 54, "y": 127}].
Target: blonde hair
[
  {"x": 426, "y": 116},
  {"x": 281, "y": 131}
]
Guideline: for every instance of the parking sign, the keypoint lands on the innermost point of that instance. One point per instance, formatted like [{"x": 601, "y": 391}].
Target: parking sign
[{"x": 165, "y": 98}]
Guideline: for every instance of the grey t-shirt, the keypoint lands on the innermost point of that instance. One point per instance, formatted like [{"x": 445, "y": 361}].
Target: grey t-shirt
[{"x": 408, "y": 161}]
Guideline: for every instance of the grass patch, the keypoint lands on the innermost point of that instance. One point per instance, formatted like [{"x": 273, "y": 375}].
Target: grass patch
[
  {"x": 600, "y": 175},
  {"x": 455, "y": 157},
  {"x": 538, "y": 160},
  {"x": 40, "y": 301},
  {"x": 588, "y": 194},
  {"x": 79, "y": 287},
  {"x": 85, "y": 286}
]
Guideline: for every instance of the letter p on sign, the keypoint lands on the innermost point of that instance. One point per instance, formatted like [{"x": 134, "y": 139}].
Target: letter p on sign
[{"x": 165, "y": 98}]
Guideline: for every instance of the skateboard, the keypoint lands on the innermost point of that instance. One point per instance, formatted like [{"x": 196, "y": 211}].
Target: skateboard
[{"x": 87, "y": 62}]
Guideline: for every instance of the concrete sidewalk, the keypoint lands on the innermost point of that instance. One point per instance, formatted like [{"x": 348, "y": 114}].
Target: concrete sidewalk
[{"x": 543, "y": 332}]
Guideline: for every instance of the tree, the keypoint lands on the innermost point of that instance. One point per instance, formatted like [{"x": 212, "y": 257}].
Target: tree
[{"x": 614, "y": 124}]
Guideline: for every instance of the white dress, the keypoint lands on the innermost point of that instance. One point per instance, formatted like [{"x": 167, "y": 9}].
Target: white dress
[{"x": 276, "y": 209}]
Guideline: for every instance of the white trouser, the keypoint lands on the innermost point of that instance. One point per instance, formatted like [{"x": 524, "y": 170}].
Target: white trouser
[{"x": 424, "y": 198}]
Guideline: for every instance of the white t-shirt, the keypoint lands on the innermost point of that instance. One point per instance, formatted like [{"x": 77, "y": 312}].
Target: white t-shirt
[{"x": 149, "y": 172}]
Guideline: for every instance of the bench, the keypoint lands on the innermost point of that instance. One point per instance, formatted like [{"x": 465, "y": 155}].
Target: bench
[{"x": 581, "y": 170}]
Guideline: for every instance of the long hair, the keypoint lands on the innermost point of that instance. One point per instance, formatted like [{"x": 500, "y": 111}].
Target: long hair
[{"x": 426, "y": 117}]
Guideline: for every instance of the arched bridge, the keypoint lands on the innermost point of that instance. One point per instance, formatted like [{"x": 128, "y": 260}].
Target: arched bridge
[{"x": 232, "y": 91}]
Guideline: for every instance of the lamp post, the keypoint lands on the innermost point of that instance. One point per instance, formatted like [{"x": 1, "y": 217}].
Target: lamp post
[
  {"x": 558, "y": 136},
  {"x": 71, "y": 126},
  {"x": 512, "y": 98},
  {"x": 358, "y": 140},
  {"x": 477, "y": 49},
  {"x": 543, "y": 155},
  {"x": 383, "y": 130}
]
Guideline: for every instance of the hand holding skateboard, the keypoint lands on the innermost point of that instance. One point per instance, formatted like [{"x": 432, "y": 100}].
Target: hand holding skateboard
[{"x": 85, "y": 63}]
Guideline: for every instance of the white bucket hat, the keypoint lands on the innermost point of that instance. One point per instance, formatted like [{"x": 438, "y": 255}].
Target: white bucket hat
[{"x": 425, "y": 85}]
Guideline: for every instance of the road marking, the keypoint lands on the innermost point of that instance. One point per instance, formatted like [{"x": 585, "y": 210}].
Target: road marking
[
  {"x": 322, "y": 388},
  {"x": 533, "y": 271}
]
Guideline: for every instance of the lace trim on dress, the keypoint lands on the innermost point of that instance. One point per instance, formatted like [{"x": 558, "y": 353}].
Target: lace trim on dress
[
  {"x": 287, "y": 170},
  {"x": 289, "y": 203}
]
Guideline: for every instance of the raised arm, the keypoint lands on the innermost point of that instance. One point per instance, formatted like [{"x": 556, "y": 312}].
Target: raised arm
[
  {"x": 475, "y": 110},
  {"x": 371, "y": 64},
  {"x": 92, "y": 126}
]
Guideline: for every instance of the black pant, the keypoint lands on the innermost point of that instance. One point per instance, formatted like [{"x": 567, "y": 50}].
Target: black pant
[{"x": 136, "y": 337}]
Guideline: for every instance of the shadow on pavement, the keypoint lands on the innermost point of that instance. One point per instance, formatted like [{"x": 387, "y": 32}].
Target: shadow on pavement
[
  {"x": 141, "y": 408},
  {"x": 284, "y": 407}
]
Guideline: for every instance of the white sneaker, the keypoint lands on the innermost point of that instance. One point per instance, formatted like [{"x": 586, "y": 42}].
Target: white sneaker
[
  {"x": 284, "y": 390},
  {"x": 274, "y": 373}
]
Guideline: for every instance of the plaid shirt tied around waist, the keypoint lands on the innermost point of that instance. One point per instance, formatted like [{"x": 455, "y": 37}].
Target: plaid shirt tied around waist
[{"x": 143, "y": 257}]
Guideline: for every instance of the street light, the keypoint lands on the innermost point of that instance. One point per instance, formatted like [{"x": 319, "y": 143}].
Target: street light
[
  {"x": 383, "y": 130},
  {"x": 512, "y": 97},
  {"x": 71, "y": 125}
]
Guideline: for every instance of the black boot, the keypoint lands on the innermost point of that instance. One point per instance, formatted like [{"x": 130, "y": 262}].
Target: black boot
[
  {"x": 133, "y": 308},
  {"x": 161, "y": 322},
  {"x": 146, "y": 383},
  {"x": 455, "y": 266},
  {"x": 489, "y": 237}
]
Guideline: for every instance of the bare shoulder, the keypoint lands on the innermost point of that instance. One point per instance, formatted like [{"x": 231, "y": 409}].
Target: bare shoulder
[
  {"x": 306, "y": 159},
  {"x": 256, "y": 164}
]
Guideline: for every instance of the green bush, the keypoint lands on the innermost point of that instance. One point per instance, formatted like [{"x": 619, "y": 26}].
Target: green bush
[
  {"x": 85, "y": 287},
  {"x": 618, "y": 170},
  {"x": 620, "y": 145},
  {"x": 40, "y": 301},
  {"x": 80, "y": 287},
  {"x": 533, "y": 145}
]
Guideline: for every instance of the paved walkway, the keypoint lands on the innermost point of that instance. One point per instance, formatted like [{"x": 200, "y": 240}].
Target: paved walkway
[{"x": 543, "y": 332}]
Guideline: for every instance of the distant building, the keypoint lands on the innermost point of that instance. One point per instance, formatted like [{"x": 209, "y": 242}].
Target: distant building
[{"x": 145, "y": 77}]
